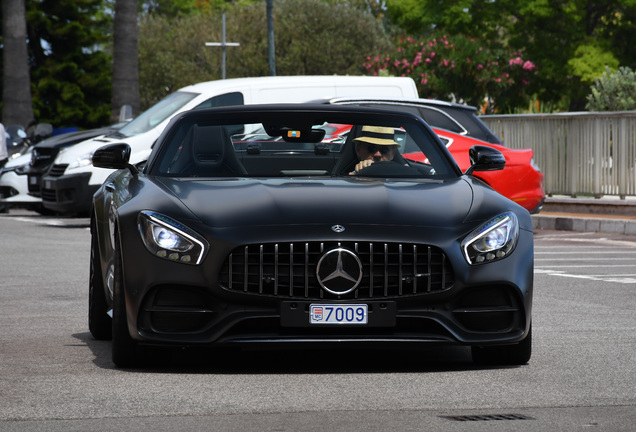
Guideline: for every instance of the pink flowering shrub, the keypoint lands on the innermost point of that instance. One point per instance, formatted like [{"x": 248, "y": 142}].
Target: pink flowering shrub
[{"x": 459, "y": 68}]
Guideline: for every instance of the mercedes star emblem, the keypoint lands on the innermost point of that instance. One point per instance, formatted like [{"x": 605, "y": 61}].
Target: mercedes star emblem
[
  {"x": 339, "y": 271},
  {"x": 337, "y": 228}
]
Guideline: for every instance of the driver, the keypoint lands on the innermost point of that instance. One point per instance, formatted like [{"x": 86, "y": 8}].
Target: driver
[{"x": 376, "y": 144}]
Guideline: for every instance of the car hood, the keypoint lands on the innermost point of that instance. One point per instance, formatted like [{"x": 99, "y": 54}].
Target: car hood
[
  {"x": 73, "y": 138},
  {"x": 17, "y": 161},
  {"x": 253, "y": 202}
]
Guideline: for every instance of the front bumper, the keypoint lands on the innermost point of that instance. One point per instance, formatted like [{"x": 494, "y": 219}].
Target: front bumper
[
  {"x": 13, "y": 189},
  {"x": 463, "y": 319},
  {"x": 68, "y": 193}
]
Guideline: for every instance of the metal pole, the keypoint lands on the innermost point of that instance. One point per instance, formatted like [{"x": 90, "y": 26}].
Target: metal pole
[
  {"x": 271, "y": 54},
  {"x": 224, "y": 49}
]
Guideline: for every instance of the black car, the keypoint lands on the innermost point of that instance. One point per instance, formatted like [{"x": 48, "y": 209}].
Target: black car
[
  {"x": 44, "y": 153},
  {"x": 226, "y": 238},
  {"x": 457, "y": 118}
]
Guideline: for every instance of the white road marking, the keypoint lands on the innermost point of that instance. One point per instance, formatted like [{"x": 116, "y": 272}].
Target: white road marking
[{"x": 627, "y": 279}]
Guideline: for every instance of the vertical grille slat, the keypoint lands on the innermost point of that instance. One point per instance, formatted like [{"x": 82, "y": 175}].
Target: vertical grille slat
[
  {"x": 372, "y": 272},
  {"x": 386, "y": 270},
  {"x": 306, "y": 270},
  {"x": 246, "y": 272},
  {"x": 415, "y": 269},
  {"x": 288, "y": 270},
  {"x": 291, "y": 269},
  {"x": 429, "y": 271},
  {"x": 401, "y": 263},
  {"x": 276, "y": 269},
  {"x": 260, "y": 270}
]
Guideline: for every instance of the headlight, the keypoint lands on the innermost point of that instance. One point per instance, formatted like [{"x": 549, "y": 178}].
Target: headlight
[
  {"x": 168, "y": 239},
  {"x": 82, "y": 161},
  {"x": 492, "y": 241},
  {"x": 19, "y": 169}
]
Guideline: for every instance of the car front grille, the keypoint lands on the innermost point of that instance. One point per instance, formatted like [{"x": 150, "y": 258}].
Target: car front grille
[
  {"x": 48, "y": 195},
  {"x": 41, "y": 157},
  {"x": 57, "y": 170},
  {"x": 289, "y": 270}
]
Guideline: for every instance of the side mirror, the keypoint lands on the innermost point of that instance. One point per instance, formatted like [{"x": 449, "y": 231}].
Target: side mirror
[
  {"x": 113, "y": 156},
  {"x": 484, "y": 158},
  {"x": 16, "y": 136}
]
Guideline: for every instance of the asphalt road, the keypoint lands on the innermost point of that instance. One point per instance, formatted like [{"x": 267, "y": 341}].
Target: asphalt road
[{"x": 55, "y": 377}]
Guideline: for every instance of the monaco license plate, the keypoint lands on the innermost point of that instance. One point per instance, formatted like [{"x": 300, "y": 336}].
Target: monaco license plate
[{"x": 338, "y": 314}]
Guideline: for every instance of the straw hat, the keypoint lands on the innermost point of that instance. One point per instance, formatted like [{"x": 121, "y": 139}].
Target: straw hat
[{"x": 377, "y": 135}]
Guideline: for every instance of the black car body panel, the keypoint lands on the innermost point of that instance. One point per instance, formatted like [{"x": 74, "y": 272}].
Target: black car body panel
[{"x": 268, "y": 243}]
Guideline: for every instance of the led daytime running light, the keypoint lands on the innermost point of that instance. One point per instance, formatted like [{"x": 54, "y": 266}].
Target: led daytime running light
[
  {"x": 492, "y": 241},
  {"x": 168, "y": 239}
]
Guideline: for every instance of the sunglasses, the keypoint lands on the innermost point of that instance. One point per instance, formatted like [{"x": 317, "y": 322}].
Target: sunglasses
[{"x": 383, "y": 149}]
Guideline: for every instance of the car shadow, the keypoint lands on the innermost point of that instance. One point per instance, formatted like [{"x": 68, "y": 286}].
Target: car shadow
[{"x": 324, "y": 360}]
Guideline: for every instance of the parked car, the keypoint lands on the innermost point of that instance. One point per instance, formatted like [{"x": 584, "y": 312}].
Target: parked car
[
  {"x": 44, "y": 153},
  {"x": 13, "y": 180},
  {"x": 453, "y": 117},
  {"x": 460, "y": 127},
  {"x": 221, "y": 241},
  {"x": 20, "y": 140},
  {"x": 521, "y": 180},
  {"x": 71, "y": 182},
  {"x": 20, "y": 177},
  {"x": 13, "y": 185}
]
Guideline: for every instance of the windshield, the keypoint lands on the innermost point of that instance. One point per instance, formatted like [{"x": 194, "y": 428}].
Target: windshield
[
  {"x": 287, "y": 147},
  {"x": 156, "y": 114}
]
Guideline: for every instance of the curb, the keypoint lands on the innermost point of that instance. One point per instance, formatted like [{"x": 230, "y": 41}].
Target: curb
[{"x": 587, "y": 223}]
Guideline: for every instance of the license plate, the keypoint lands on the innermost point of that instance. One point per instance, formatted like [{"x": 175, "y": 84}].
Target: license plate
[
  {"x": 33, "y": 180},
  {"x": 338, "y": 314},
  {"x": 47, "y": 184}
]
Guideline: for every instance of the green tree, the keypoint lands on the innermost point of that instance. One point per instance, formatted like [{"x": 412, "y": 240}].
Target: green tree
[
  {"x": 613, "y": 91},
  {"x": 70, "y": 72},
  {"x": 570, "y": 41},
  {"x": 312, "y": 37}
]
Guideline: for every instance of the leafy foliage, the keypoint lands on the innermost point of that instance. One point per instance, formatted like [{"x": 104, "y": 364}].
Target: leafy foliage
[
  {"x": 613, "y": 91},
  {"x": 313, "y": 37},
  {"x": 70, "y": 75},
  {"x": 570, "y": 41},
  {"x": 459, "y": 68}
]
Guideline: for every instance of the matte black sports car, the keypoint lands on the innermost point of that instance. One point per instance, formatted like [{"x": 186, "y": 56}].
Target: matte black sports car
[{"x": 252, "y": 225}]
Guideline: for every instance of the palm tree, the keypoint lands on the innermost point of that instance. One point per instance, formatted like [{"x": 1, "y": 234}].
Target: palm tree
[
  {"x": 125, "y": 59},
  {"x": 17, "y": 107}
]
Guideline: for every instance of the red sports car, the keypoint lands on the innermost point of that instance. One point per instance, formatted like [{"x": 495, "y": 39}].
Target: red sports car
[{"x": 521, "y": 180}]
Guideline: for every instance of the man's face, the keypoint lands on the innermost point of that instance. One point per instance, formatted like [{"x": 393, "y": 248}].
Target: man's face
[{"x": 375, "y": 152}]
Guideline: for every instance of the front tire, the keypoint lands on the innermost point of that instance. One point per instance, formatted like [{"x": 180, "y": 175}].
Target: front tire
[
  {"x": 518, "y": 354},
  {"x": 99, "y": 323},
  {"x": 124, "y": 349}
]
